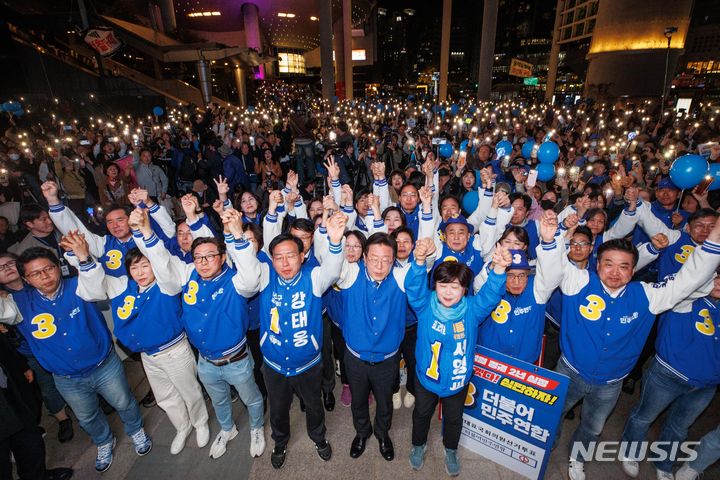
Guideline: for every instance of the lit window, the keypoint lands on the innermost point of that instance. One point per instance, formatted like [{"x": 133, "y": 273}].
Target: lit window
[
  {"x": 291, "y": 62},
  {"x": 359, "y": 54}
]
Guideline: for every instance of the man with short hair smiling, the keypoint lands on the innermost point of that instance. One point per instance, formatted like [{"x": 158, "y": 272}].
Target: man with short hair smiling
[
  {"x": 69, "y": 338},
  {"x": 291, "y": 327},
  {"x": 606, "y": 319}
]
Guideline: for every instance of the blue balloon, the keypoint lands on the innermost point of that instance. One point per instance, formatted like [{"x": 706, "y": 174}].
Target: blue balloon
[
  {"x": 714, "y": 172},
  {"x": 436, "y": 108},
  {"x": 454, "y": 108},
  {"x": 472, "y": 109},
  {"x": 548, "y": 152},
  {"x": 446, "y": 150},
  {"x": 470, "y": 201},
  {"x": 463, "y": 145},
  {"x": 158, "y": 110},
  {"x": 546, "y": 171},
  {"x": 503, "y": 148},
  {"x": 689, "y": 170},
  {"x": 527, "y": 149},
  {"x": 515, "y": 112}
]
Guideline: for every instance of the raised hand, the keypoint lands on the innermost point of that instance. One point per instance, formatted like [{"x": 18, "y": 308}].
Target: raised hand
[
  {"x": 336, "y": 227},
  {"x": 222, "y": 187},
  {"x": 571, "y": 221},
  {"x": 582, "y": 205},
  {"x": 290, "y": 199},
  {"x": 631, "y": 197},
  {"x": 426, "y": 196},
  {"x": 329, "y": 204},
  {"x": 374, "y": 202},
  {"x": 548, "y": 226},
  {"x": 346, "y": 197},
  {"x": 660, "y": 241},
  {"x": 190, "y": 206},
  {"x": 332, "y": 167},
  {"x": 232, "y": 220},
  {"x": 218, "y": 206},
  {"x": 75, "y": 242},
  {"x": 378, "y": 170},
  {"x": 139, "y": 221},
  {"x": 501, "y": 258},
  {"x": 500, "y": 199},
  {"x": 292, "y": 180},
  {"x": 274, "y": 199},
  {"x": 424, "y": 248},
  {"x": 50, "y": 192}
]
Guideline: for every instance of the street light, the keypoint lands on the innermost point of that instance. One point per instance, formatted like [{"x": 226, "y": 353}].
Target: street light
[{"x": 668, "y": 34}]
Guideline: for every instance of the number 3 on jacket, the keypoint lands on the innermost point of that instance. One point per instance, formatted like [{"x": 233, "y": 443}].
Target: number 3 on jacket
[
  {"x": 594, "y": 309},
  {"x": 46, "y": 326},
  {"x": 190, "y": 296}
]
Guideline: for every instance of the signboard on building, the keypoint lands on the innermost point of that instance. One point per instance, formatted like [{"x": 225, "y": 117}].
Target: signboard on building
[
  {"x": 512, "y": 412},
  {"x": 530, "y": 81},
  {"x": 519, "y": 68}
]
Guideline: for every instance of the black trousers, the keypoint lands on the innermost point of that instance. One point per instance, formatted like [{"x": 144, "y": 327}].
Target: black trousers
[
  {"x": 452, "y": 411},
  {"x": 28, "y": 448},
  {"x": 328, "y": 364},
  {"x": 253, "y": 341},
  {"x": 280, "y": 393},
  {"x": 338, "y": 350},
  {"x": 380, "y": 378},
  {"x": 407, "y": 348},
  {"x": 552, "y": 345}
]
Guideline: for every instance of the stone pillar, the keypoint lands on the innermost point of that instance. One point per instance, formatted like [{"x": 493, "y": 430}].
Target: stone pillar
[
  {"x": 239, "y": 75},
  {"x": 204, "y": 81},
  {"x": 326, "y": 49},
  {"x": 445, "y": 49},
  {"x": 339, "y": 48},
  {"x": 487, "y": 48},
  {"x": 347, "y": 46},
  {"x": 554, "y": 53},
  {"x": 253, "y": 39}
]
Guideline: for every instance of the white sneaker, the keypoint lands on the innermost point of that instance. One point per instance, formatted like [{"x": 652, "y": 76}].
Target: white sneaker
[
  {"x": 409, "y": 400},
  {"x": 664, "y": 475},
  {"x": 631, "y": 468},
  {"x": 178, "y": 442},
  {"x": 202, "y": 435},
  {"x": 257, "y": 441},
  {"x": 219, "y": 446},
  {"x": 576, "y": 470},
  {"x": 686, "y": 473},
  {"x": 397, "y": 401}
]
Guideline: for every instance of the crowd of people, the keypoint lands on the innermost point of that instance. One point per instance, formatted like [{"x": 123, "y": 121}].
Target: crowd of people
[{"x": 265, "y": 253}]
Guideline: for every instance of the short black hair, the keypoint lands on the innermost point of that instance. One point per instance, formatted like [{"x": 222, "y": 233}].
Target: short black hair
[
  {"x": 133, "y": 256},
  {"x": 30, "y": 212},
  {"x": 116, "y": 206},
  {"x": 446, "y": 198},
  {"x": 203, "y": 240},
  {"x": 594, "y": 211},
  {"x": 107, "y": 165},
  {"x": 257, "y": 233},
  {"x": 448, "y": 272},
  {"x": 381, "y": 238},
  {"x": 583, "y": 230},
  {"x": 702, "y": 213},
  {"x": 33, "y": 253},
  {"x": 145, "y": 149},
  {"x": 363, "y": 192},
  {"x": 527, "y": 201},
  {"x": 619, "y": 244},
  {"x": 286, "y": 237},
  {"x": 519, "y": 232},
  {"x": 302, "y": 224},
  {"x": 359, "y": 236},
  {"x": 403, "y": 229}
]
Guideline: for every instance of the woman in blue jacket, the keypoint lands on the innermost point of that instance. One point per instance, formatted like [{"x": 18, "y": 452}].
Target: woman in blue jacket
[{"x": 447, "y": 327}]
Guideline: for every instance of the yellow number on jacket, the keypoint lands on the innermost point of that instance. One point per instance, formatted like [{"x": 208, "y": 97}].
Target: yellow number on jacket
[
  {"x": 114, "y": 260},
  {"x": 706, "y": 327},
  {"x": 594, "y": 309},
  {"x": 190, "y": 296},
  {"x": 46, "y": 326},
  {"x": 124, "y": 312},
  {"x": 432, "y": 370}
]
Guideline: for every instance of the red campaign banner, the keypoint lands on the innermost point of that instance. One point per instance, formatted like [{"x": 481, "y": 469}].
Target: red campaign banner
[
  {"x": 524, "y": 376},
  {"x": 102, "y": 40}
]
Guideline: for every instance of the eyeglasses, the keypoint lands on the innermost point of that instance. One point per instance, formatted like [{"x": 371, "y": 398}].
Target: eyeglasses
[
  {"x": 353, "y": 247},
  {"x": 579, "y": 244},
  {"x": 377, "y": 261},
  {"x": 409, "y": 194},
  {"x": 39, "y": 273},
  {"x": 289, "y": 257},
  {"x": 517, "y": 276},
  {"x": 7, "y": 266},
  {"x": 701, "y": 226},
  {"x": 205, "y": 258}
]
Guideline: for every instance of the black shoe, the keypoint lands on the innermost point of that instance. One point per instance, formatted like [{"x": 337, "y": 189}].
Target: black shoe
[
  {"x": 58, "y": 473},
  {"x": 570, "y": 415},
  {"x": 324, "y": 450},
  {"x": 65, "y": 433},
  {"x": 106, "y": 407},
  {"x": 277, "y": 458},
  {"x": 357, "y": 447},
  {"x": 629, "y": 386},
  {"x": 329, "y": 401},
  {"x": 386, "y": 449},
  {"x": 148, "y": 400},
  {"x": 234, "y": 395}
]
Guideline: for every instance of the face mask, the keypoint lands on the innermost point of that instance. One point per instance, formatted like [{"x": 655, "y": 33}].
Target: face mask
[
  {"x": 547, "y": 204},
  {"x": 14, "y": 156}
]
